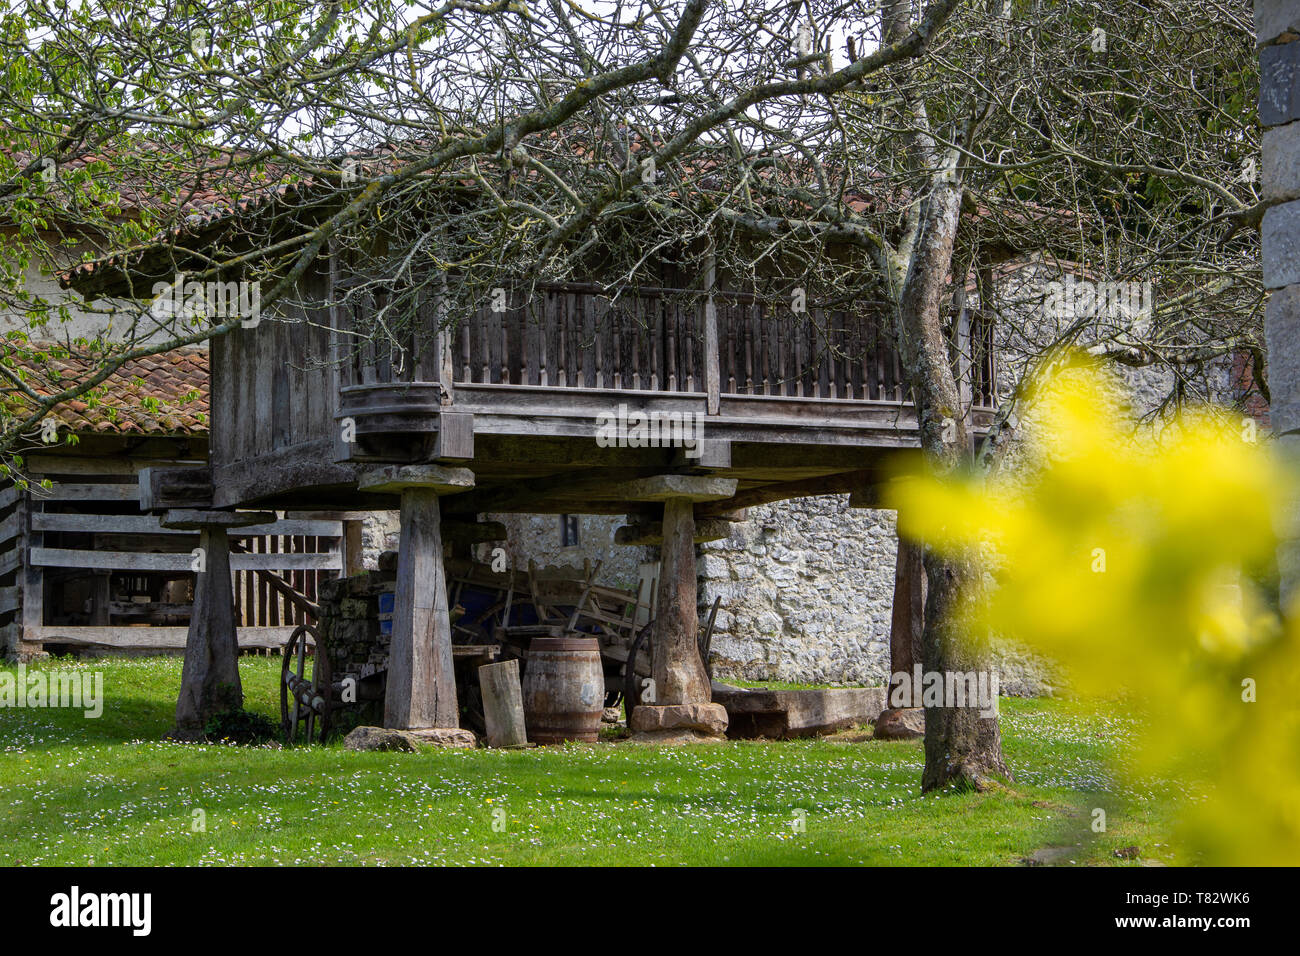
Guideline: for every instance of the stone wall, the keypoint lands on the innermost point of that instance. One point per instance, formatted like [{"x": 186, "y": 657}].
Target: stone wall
[
  {"x": 807, "y": 593},
  {"x": 1277, "y": 25}
]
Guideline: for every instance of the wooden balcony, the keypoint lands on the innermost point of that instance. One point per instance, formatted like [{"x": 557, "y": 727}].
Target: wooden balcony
[
  {"x": 519, "y": 392},
  {"x": 757, "y": 374}
]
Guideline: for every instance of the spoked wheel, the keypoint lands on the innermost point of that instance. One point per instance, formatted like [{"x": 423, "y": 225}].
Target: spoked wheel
[{"x": 304, "y": 698}]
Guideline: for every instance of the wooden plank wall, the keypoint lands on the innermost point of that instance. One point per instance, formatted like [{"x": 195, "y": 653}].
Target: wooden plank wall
[
  {"x": 273, "y": 386},
  {"x": 86, "y": 526}
]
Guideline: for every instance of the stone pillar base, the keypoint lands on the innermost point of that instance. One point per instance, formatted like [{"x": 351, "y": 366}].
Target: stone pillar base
[{"x": 708, "y": 720}]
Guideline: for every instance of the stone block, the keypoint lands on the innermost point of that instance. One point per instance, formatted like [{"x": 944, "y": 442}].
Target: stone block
[
  {"x": 1280, "y": 241},
  {"x": 1279, "y": 84},
  {"x": 1280, "y": 163},
  {"x": 906, "y": 723},
  {"x": 1275, "y": 18},
  {"x": 1282, "y": 338},
  {"x": 704, "y": 718},
  {"x": 797, "y": 713},
  {"x": 407, "y": 741}
]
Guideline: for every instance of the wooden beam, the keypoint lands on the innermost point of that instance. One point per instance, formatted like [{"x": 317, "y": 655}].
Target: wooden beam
[
  {"x": 162, "y": 488},
  {"x": 779, "y": 491},
  {"x": 73, "y": 491},
  {"x": 679, "y": 673},
  {"x": 154, "y": 637},
  {"x": 152, "y": 561},
  {"x": 712, "y": 361},
  {"x": 31, "y": 578},
  {"x": 421, "y": 687}
]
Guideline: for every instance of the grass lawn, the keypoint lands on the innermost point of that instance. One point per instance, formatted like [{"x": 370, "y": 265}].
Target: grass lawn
[{"x": 106, "y": 791}]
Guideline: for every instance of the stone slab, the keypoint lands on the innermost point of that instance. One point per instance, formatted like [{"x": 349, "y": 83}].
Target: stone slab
[
  {"x": 1280, "y": 242},
  {"x": 407, "y": 741},
  {"x": 1273, "y": 18},
  {"x": 704, "y": 718},
  {"x": 1279, "y": 84},
  {"x": 1282, "y": 338},
  {"x": 392, "y": 479},
  {"x": 1280, "y": 163},
  {"x": 786, "y": 714}
]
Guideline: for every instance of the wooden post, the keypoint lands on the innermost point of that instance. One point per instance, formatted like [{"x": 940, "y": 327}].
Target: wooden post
[
  {"x": 678, "y": 671},
  {"x": 421, "y": 678},
  {"x": 32, "y": 580},
  {"x": 503, "y": 704},
  {"x": 712, "y": 362},
  {"x": 421, "y": 689},
  {"x": 210, "y": 673},
  {"x": 351, "y": 546}
]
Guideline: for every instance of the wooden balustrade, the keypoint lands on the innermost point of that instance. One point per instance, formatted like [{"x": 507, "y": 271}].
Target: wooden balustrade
[{"x": 658, "y": 340}]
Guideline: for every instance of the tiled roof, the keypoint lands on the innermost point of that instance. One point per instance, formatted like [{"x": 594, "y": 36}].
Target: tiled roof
[{"x": 146, "y": 396}]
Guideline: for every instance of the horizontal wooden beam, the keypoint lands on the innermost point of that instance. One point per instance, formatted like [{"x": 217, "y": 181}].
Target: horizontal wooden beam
[
  {"x": 153, "y": 638},
  {"x": 47, "y": 464},
  {"x": 165, "y": 488},
  {"x": 72, "y": 491},
  {"x": 147, "y": 561},
  {"x": 150, "y": 524}
]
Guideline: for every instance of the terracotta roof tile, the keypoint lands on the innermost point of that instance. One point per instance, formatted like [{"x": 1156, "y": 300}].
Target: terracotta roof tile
[{"x": 146, "y": 396}]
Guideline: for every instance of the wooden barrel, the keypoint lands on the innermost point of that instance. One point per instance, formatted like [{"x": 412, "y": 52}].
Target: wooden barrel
[{"x": 564, "y": 690}]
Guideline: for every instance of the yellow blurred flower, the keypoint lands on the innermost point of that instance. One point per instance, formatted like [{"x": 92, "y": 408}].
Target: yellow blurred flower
[{"x": 1131, "y": 558}]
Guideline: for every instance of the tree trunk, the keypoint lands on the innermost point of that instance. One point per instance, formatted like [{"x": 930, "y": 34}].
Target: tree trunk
[{"x": 962, "y": 749}]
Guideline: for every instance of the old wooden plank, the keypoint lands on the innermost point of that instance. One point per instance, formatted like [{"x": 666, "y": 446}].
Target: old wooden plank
[
  {"x": 31, "y": 578},
  {"x": 155, "y": 637},
  {"x": 153, "y": 561},
  {"x": 421, "y": 688},
  {"x": 712, "y": 360},
  {"x": 77, "y": 491}
]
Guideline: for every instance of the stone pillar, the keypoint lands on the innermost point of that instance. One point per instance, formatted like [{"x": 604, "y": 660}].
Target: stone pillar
[
  {"x": 683, "y": 697},
  {"x": 420, "y": 692},
  {"x": 1277, "y": 25},
  {"x": 210, "y": 673}
]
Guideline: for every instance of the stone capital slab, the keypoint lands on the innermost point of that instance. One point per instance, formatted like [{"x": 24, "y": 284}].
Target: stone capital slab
[
  {"x": 393, "y": 479},
  {"x": 667, "y": 487}
]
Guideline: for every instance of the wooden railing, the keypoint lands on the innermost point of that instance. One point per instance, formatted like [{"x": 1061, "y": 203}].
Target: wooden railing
[{"x": 653, "y": 339}]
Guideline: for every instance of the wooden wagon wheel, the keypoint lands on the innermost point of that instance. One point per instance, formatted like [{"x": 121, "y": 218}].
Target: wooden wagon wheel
[{"x": 293, "y": 664}]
